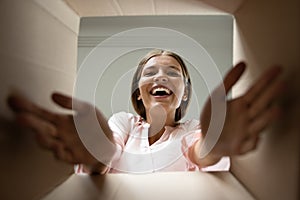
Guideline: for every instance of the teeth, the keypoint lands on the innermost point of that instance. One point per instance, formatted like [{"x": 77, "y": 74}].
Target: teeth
[{"x": 161, "y": 89}]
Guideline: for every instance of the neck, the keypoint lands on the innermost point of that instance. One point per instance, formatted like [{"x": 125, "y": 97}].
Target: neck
[
  {"x": 158, "y": 121},
  {"x": 162, "y": 119}
]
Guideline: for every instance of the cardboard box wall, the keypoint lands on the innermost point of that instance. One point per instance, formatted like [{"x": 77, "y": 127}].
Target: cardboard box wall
[{"x": 38, "y": 55}]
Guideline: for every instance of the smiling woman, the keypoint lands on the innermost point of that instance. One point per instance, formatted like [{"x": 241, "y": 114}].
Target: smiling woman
[
  {"x": 161, "y": 90},
  {"x": 155, "y": 140}
]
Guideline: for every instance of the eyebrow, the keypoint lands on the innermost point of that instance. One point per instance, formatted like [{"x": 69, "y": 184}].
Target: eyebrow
[{"x": 171, "y": 66}]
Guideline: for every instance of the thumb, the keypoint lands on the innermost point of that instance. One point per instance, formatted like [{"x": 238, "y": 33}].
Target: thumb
[{"x": 233, "y": 76}]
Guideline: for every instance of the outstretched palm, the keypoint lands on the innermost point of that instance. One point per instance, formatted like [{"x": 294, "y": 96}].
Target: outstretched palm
[{"x": 245, "y": 117}]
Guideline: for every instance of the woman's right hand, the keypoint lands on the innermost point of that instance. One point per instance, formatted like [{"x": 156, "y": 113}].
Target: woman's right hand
[{"x": 57, "y": 132}]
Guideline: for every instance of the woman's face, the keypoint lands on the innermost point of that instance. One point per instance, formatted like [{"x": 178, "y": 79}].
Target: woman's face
[{"x": 162, "y": 82}]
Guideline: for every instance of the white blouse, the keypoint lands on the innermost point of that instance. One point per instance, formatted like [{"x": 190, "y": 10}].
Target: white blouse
[
  {"x": 169, "y": 153},
  {"x": 135, "y": 155}
]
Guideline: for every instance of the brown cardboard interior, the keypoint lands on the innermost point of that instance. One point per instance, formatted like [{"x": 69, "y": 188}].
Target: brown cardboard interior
[
  {"x": 268, "y": 34},
  {"x": 40, "y": 40},
  {"x": 38, "y": 56}
]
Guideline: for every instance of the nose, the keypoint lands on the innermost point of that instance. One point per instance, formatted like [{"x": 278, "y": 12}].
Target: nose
[{"x": 160, "y": 78}]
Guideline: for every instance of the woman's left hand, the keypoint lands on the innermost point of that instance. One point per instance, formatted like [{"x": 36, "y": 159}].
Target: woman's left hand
[{"x": 246, "y": 116}]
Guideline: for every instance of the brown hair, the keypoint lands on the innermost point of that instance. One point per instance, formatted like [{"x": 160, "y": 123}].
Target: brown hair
[{"x": 135, "y": 92}]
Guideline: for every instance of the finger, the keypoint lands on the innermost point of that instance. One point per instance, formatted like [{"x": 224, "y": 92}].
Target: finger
[
  {"x": 248, "y": 145},
  {"x": 230, "y": 79},
  {"x": 233, "y": 76},
  {"x": 265, "y": 79},
  {"x": 62, "y": 100},
  {"x": 20, "y": 103},
  {"x": 62, "y": 153},
  {"x": 266, "y": 99},
  {"x": 36, "y": 124},
  {"x": 260, "y": 123},
  {"x": 70, "y": 103},
  {"x": 45, "y": 141}
]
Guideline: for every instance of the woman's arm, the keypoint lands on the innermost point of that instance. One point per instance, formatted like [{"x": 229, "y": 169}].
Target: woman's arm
[
  {"x": 245, "y": 118},
  {"x": 59, "y": 132},
  {"x": 206, "y": 161}
]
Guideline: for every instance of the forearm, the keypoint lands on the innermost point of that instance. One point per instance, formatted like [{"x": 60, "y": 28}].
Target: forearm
[
  {"x": 102, "y": 144},
  {"x": 103, "y": 122}
]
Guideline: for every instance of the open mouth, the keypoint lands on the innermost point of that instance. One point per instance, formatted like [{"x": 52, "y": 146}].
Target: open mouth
[{"x": 160, "y": 91}]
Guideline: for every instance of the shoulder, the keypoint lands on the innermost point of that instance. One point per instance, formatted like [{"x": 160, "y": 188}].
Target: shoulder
[
  {"x": 121, "y": 116},
  {"x": 123, "y": 121}
]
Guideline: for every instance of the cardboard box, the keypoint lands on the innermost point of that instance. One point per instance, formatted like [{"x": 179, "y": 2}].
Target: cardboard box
[{"x": 38, "y": 54}]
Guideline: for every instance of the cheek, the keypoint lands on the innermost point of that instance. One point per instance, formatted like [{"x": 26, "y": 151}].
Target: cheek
[
  {"x": 179, "y": 96},
  {"x": 143, "y": 86},
  {"x": 143, "y": 82},
  {"x": 180, "y": 88}
]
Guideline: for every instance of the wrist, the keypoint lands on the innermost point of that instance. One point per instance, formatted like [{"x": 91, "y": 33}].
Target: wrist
[
  {"x": 209, "y": 159},
  {"x": 97, "y": 168}
]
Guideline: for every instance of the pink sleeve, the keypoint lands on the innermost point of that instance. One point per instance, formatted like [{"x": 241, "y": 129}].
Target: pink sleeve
[{"x": 193, "y": 135}]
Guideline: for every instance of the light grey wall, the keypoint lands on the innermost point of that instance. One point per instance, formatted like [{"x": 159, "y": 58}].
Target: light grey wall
[{"x": 214, "y": 33}]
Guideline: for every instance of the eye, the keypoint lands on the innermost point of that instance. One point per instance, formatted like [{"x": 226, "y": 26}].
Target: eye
[
  {"x": 173, "y": 73},
  {"x": 149, "y": 72}
]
